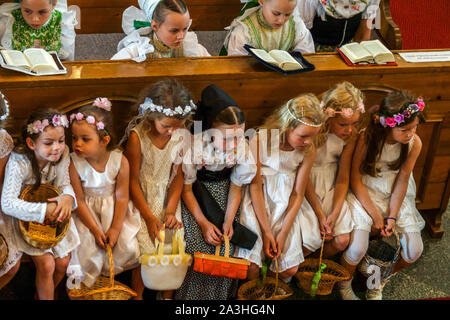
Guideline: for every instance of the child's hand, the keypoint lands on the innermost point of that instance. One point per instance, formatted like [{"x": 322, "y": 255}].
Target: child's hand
[
  {"x": 211, "y": 234},
  {"x": 281, "y": 239},
  {"x": 378, "y": 222},
  {"x": 64, "y": 208},
  {"x": 331, "y": 220},
  {"x": 228, "y": 229},
  {"x": 325, "y": 230},
  {"x": 388, "y": 229},
  {"x": 153, "y": 228},
  {"x": 50, "y": 215},
  {"x": 100, "y": 238},
  {"x": 111, "y": 236},
  {"x": 172, "y": 222},
  {"x": 269, "y": 245}
]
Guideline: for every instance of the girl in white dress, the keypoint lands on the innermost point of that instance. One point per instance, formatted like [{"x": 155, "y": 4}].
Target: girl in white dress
[
  {"x": 274, "y": 200},
  {"x": 12, "y": 263},
  {"x": 43, "y": 24},
  {"x": 43, "y": 157},
  {"x": 99, "y": 174},
  {"x": 159, "y": 30},
  {"x": 330, "y": 174},
  {"x": 153, "y": 147},
  {"x": 383, "y": 189},
  {"x": 268, "y": 25}
]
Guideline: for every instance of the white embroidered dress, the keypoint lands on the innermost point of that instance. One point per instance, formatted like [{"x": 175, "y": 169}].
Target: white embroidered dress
[
  {"x": 380, "y": 189},
  {"x": 278, "y": 175},
  {"x": 99, "y": 194},
  {"x": 323, "y": 177},
  {"x": 6, "y": 222},
  {"x": 18, "y": 175}
]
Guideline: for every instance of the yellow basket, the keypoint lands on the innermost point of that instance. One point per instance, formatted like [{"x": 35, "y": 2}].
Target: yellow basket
[
  {"x": 3, "y": 250},
  {"x": 270, "y": 289},
  {"x": 104, "y": 288},
  {"x": 333, "y": 273},
  {"x": 41, "y": 194}
]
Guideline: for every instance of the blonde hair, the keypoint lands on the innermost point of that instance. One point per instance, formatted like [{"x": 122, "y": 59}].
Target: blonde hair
[
  {"x": 341, "y": 96},
  {"x": 304, "y": 108}
]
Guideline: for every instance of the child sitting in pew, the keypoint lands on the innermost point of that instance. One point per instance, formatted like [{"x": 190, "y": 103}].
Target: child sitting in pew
[
  {"x": 43, "y": 24},
  {"x": 268, "y": 25},
  {"x": 159, "y": 30}
]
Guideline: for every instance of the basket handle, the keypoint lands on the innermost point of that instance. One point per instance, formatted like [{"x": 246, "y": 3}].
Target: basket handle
[
  {"x": 111, "y": 265},
  {"x": 276, "y": 280},
  {"x": 227, "y": 247}
]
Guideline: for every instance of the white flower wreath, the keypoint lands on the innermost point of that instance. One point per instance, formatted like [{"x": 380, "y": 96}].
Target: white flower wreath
[{"x": 149, "y": 105}]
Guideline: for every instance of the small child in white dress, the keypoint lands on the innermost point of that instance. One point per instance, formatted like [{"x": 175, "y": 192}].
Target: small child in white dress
[
  {"x": 100, "y": 177},
  {"x": 159, "y": 30},
  {"x": 330, "y": 174},
  {"x": 154, "y": 147},
  {"x": 11, "y": 264},
  {"x": 274, "y": 201},
  {"x": 383, "y": 188},
  {"x": 268, "y": 25},
  {"x": 43, "y": 157}
]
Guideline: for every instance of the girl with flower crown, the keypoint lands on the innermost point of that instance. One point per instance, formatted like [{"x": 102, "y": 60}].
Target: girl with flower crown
[
  {"x": 383, "y": 188},
  {"x": 154, "y": 145},
  {"x": 99, "y": 174},
  {"x": 42, "y": 157}
]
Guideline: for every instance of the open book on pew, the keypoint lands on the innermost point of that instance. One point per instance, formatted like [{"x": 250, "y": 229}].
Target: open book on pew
[
  {"x": 371, "y": 52},
  {"x": 32, "y": 61},
  {"x": 280, "y": 60}
]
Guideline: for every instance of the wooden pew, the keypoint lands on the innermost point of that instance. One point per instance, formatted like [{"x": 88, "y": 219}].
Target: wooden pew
[{"x": 257, "y": 91}]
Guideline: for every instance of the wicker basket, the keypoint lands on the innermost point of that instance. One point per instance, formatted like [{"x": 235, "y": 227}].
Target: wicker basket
[
  {"x": 381, "y": 254},
  {"x": 41, "y": 194},
  {"x": 333, "y": 273},
  {"x": 104, "y": 288},
  {"x": 270, "y": 289},
  {"x": 3, "y": 250}
]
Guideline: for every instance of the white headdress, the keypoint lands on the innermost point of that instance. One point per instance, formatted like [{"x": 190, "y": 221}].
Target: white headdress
[
  {"x": 149, "y": 7},
  {"x": 299, "y": 119},
  {"x": 168, "y": 112},
  {"x": 3, "y": 117}
]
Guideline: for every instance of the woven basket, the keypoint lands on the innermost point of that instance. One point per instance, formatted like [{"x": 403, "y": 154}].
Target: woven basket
[
  {"x": 270, "y": 289},
  {"x": 381, "y": 254},
  {"x": 3, "y": 250},
  {"x": 41, "y": 194},
  {"x": 104, "y": 288},
  {"x": 333, "y": 273}
]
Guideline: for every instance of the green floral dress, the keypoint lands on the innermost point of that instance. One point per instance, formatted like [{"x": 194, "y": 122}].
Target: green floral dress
[{"x": 47, "y": 37}]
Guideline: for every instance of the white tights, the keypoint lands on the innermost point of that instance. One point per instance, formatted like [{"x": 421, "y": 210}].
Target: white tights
[{"x": 412, "y": 246}]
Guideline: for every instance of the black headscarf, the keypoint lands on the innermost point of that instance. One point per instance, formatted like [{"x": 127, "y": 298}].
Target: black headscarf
[{"x": 213, "y": 101}]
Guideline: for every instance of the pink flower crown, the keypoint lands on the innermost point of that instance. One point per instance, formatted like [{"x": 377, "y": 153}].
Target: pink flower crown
[
  {"x": 102, "y": 103},
  {"x": 346, "y": 112},
  {"x": 387, "y": 120},
  {"x": 38, "y": 126}
]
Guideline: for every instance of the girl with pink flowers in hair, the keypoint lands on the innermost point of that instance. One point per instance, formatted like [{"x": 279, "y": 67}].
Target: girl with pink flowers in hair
[
  {"x": 42, "y": 157},
  {"x": 383, "y": 188},
  {"x": 99, "y": 174}
]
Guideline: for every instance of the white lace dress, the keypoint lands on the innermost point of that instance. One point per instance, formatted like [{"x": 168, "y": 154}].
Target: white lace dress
[
  {"x": 155, "y": 173},
  {"x": 278, "y": 174},
  {"x": 18, "y": 175},
  {"x": 6, "y": 222},
  {"x": 380, "y": 189},
  {"x": 99, "y": 194},
  {"x": 323, "y": 177},
  {"x": 139, "y": 43}
]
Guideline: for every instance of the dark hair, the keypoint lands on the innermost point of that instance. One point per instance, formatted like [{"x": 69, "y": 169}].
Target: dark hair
[
  {"x": 22, "y": 147},
  {"x": 161, "y": 10},
  {"x": 375, "y": 136},
  {"x": 230, "y": 116},
  {"x": 104, "y": 116}
]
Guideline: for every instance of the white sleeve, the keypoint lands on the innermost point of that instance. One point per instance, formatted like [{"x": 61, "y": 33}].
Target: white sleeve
[
  {"x": 303, "y": 39},
  {"x": 237, "y": 39},
  {"x": 6, "y": 23},
  {"x": 245, "y": 170},
  {"x": 17, "y": 171},
  {"x": 68, "y": 22},
  {"x": 191, "y": 47},
  {"x": 62, "y": 180},
  {"x": 371, "y": 10},
  {"x": 307, "y": 10},
  {"x": 189, "y": 168},
  {"x": 133, "y": 46}
]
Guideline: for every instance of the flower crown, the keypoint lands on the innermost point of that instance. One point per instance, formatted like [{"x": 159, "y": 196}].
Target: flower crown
[
  {"x": 346, "y": 112},
  {"x": 3, "y": 117},
  {"x": 149, "y": 105},
  {"x": 39, "y": 125},
  {"x": 387, "y": 120},
  {"x": 102, "y": 103}
]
